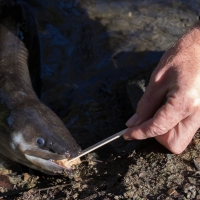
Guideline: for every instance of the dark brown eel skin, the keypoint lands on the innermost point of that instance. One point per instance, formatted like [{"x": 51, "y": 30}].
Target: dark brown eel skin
[{"x": 30, "y": 133}]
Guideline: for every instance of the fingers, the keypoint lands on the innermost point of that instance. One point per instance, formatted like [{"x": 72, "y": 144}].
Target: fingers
[
  {"x": 178, "y": 138},
  {"x": 167, "y": 117},
  {"x": 151, "y": 100}
]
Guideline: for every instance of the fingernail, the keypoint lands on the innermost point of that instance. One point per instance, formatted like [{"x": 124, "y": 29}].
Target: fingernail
[
  {"x": 133, "y": 120},
  {"x": 126, "y": 137}
]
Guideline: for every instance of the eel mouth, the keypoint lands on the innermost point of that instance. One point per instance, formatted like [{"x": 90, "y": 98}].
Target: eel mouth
[{"x": 57, "y": 164}]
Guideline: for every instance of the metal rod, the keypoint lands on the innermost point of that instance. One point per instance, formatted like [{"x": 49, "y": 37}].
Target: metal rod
[{"x": 100, "y": 144}]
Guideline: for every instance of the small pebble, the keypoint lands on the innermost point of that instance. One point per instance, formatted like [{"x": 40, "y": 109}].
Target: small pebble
[
  {"x": 197, "y": 162},
  {"x": 197, "y": 173},
  {"x": 195, "y": 141},
  {"x": 5, "y": 172},
  {"x": 26, "y": 176},
  {"x": 31, "y": 191},
  {"x": 169, "y": 156},
  {"x": 192, "y": 180},
  {"x": 171, "y": 191},
  {"x": 187, "y": 187},
  {"x": 130, "y": 14},
  {"x": 193, "y": 194},
  {"x": 77, "y": 185},
  {"x": 168, "y": 198},
  {"x": 75, "y": 195},
  {"x": 129, "y": 194},
  {"x": 188, "y": 195}
]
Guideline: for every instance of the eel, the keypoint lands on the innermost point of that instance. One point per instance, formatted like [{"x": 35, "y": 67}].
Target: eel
[{"x": 30, "y": 132}]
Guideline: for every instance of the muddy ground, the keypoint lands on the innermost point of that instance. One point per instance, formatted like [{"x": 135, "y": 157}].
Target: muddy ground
[
  {"x": 148, "y": 173},
  {"x": 96, "y": 59}
]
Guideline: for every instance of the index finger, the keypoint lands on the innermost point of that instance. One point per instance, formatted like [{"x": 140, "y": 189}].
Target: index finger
[{"x": 167, "y": 117}]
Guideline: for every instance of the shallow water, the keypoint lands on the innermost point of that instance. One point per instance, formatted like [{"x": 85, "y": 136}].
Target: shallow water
[{"x": 92, "y": 52}]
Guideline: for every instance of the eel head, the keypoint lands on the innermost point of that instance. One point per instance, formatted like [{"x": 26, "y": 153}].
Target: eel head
[{"x": 38, "y": 139}]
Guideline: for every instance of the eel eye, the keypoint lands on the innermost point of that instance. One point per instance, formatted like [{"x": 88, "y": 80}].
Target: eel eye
[{"x": 40, "y": 142}]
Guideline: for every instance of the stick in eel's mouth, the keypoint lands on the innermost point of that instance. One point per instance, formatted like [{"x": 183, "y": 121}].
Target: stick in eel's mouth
[{"x": 30, "y": 133}]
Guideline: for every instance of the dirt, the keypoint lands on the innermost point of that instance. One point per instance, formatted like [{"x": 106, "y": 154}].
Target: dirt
[
  {"x": 148, "y": 173},
  {"x": 114, "y": 45}
]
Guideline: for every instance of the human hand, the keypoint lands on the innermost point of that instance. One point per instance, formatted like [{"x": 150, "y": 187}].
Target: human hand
[{"x": 176, "y": 79}]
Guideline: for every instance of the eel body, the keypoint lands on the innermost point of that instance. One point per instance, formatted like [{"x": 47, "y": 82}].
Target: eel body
[{"x": 30, "y": 132}]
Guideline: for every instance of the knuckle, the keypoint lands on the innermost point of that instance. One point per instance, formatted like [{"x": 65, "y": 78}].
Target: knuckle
[
  {"x": 156, "y": 130},
  {"x": 194, "y": 102},
  {"x": 191, "y": 97},
  {"x": 183, "y": 106}
]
